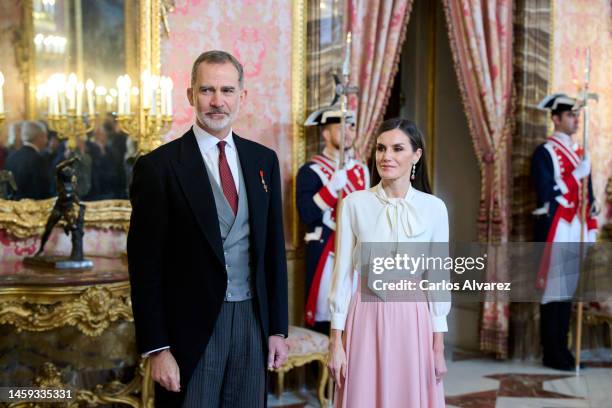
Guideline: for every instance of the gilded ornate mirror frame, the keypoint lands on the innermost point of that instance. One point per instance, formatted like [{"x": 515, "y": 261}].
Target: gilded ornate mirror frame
[{"x": 26, "y": 218}]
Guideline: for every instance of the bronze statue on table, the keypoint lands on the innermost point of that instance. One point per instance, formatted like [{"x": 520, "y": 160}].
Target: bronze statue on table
[
  {"x": 8, "y": 186},
  {"x": 69, "y": 208}
]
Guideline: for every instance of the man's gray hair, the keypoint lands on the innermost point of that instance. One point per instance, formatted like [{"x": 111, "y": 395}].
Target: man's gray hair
[
  {"x": 14, "y": 132},
  {"x": 217, "y": 57},
  {"x": 30, "y": 130}
]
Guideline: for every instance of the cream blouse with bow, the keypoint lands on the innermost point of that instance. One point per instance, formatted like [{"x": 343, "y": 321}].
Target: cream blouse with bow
[{"x": 371, "y": 216}]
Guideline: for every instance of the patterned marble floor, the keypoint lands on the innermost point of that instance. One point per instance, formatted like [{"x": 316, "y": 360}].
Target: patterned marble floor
[{"x": 476, "y": 382}]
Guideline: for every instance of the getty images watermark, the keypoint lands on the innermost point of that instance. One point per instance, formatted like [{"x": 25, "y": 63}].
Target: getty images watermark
[{"x": 469, "y": 272}]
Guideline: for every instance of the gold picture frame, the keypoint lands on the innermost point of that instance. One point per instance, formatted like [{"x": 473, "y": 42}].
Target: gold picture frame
[{"x": 26, "y": 218}]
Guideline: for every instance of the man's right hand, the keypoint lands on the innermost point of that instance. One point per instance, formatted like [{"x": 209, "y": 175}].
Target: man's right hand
[
  {"x": 338, "y": 180},
  {"x": 165, "y": 370}
]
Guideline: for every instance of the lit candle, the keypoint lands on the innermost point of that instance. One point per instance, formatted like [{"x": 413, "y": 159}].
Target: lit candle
[
  {"x": 109, "y": 100},
  {"x": 71, "y": 91},
  {"x": 113, "y": 94},
  {"x": 89, "y": 85},
  {"x": 135, "y": 92},
  {"x": 1, "y": 92},
  {"x": 100, "y": 94},
  {"x": 79, "y": 98},
  {"x": 38, "y": 41},
  {"x": 57, "y": 84},
  {"x": 53, "y": 98},
  {"x": 47, "y": 43},
  {"x": 61, "y": 96},
  {"x": 126, "y": 97},
  {"x": 154, "y": 92},
  {"x": 120, "y": 86}
]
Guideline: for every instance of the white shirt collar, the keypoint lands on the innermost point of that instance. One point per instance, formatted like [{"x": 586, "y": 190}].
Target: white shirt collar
[
  {"x": 565, "y": 138},
  {"x": 32, "y": 146},
  {"x": 206, "y": 141},
  {"x": 401, "y": 212}
]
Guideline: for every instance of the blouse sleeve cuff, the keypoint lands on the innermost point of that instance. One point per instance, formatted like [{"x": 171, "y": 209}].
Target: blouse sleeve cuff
[
  {"x": 338, "y": 320},
  {"x": 439, "y": 323}
]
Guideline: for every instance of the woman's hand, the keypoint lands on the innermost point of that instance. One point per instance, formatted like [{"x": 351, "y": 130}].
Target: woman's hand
[
  {"x": 337, "y": 357},
  {"x": 440, "y": 365},
  {"x": 439, "y": 360}
]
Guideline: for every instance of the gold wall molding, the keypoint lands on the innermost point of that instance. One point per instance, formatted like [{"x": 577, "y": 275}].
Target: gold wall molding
[
  {"x": 27, "y": 218},
  {"x": 298, "y": 106},
  {"x": 44, "y": 309}
]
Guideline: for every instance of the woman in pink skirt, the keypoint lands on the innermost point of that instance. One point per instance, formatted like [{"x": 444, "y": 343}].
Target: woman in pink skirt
[{"x": 388, "y": 354}]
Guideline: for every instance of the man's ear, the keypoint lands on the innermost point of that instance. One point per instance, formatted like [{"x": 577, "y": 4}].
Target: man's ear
[
  {"x": 243, "y": 95},
  {"x": 190, "y": 95},
  {"x": 556, "y": 118},
  {"x": 326, "y": 133}
]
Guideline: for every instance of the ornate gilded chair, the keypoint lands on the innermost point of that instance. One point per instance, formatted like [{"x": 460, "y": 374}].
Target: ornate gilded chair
[{"x": 305, "y": 346}]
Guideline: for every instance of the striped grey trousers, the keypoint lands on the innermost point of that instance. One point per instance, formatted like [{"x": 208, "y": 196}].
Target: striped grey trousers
[{"x": 232, "y": 371}]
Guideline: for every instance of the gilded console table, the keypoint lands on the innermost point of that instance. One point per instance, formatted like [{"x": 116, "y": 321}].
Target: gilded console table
[{"x": 69, "y": 329}]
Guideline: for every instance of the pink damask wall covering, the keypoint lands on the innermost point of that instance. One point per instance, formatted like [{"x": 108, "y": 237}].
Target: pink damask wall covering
[
  {"x": 580, "y": 24},
  {"x": 258, "y": 33}
]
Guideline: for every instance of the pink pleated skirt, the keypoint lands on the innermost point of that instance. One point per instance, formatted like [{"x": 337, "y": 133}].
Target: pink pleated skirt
[{"x": 390, "y": 362}]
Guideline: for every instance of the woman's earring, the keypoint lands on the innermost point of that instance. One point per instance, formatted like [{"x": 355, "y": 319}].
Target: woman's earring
[{"x": 413, "y": 171}]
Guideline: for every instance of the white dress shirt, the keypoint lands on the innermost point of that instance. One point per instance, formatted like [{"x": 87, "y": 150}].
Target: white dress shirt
[
  {"x": 210, "y": 153},
  {"x": 371, "y": 216}
]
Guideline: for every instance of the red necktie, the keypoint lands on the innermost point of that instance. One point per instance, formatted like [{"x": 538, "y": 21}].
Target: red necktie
[{"x": 227, "y": 180}]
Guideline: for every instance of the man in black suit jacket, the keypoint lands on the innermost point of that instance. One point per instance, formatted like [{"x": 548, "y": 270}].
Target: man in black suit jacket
[
  {"x": 207, "y": 349},
  {"x": 28, "y": 164}
]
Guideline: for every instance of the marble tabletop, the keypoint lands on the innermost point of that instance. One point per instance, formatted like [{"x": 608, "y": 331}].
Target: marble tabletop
[{"x": 14, "y": 273}]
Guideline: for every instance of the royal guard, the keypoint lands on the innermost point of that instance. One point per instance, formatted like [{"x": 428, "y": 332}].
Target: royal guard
[
  {"x": 319, "y": 184},
  {"x": 559, "y": 167}
]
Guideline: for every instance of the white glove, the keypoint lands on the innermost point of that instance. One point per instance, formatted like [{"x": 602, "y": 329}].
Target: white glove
[
  {"x": 583, "y": 169},
  {"x": 338, "y": 180}
]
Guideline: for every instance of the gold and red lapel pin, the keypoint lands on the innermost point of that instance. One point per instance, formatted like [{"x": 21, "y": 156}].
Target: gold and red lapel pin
[{"x": 263, "y": 182}]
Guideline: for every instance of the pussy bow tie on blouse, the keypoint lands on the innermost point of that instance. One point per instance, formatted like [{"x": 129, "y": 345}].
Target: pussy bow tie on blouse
[{"x": 400, "y": 213}]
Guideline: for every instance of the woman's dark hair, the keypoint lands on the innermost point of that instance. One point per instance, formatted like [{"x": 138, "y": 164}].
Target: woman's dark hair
[{"x": 410, "y": 129}]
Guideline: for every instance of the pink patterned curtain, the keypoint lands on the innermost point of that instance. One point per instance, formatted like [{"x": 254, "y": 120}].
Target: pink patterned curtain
[
  {"x": 480, "y": 33},
  {"x": 378, "y": 29}
]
